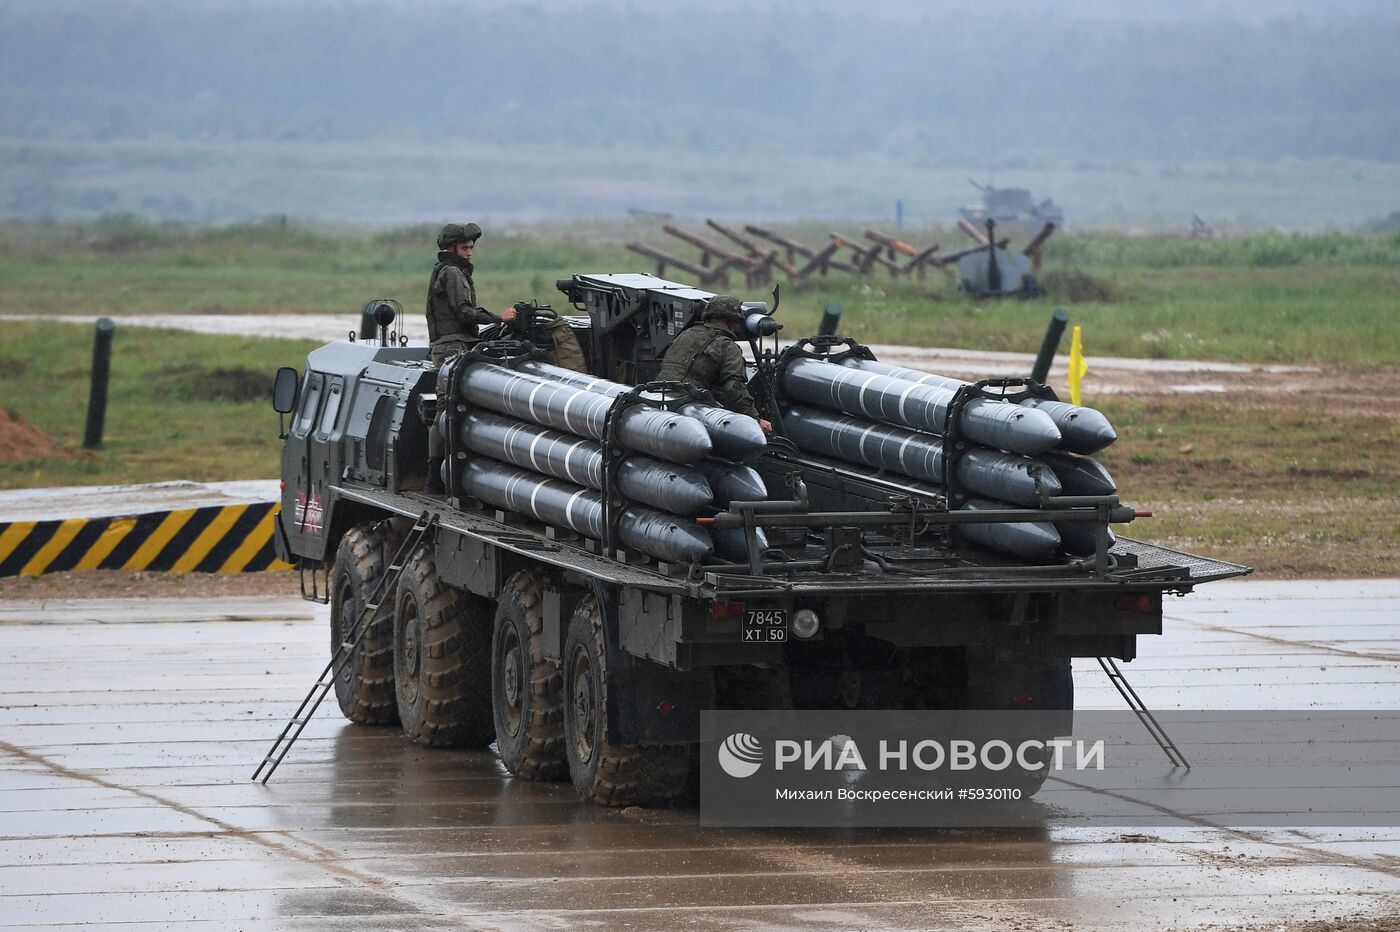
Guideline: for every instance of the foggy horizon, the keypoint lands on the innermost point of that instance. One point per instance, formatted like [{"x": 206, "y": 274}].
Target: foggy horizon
[{"x": 574, "y": 106}]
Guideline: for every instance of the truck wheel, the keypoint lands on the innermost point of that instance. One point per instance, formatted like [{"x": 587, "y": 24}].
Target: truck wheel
[
  {"x": 364, "y": 684},
  {"x": 527, "y": 691},
  {"x": 442, "y": 659},
  {"x": 613, "y": 774},
  {"x": 1022, "y": 682}
]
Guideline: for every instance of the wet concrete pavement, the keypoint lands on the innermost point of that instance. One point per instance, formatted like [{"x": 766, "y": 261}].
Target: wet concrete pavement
[{"x": 128, "y": 730}]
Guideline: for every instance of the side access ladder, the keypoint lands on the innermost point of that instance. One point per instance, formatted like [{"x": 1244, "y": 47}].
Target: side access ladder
[
  {"x": 422, "y": 528},
  {"x": 1149, "y": 721}
]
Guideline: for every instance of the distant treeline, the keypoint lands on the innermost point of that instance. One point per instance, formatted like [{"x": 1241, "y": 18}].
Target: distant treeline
[{"x": 819, "y": 81}]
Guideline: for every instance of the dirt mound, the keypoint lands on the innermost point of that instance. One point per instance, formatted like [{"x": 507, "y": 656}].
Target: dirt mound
[
  {"x": 196, "y": 383},
  {"x": 21, "y": 440}
]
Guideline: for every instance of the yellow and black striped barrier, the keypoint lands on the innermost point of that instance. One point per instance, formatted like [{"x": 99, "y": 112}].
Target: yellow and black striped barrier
[{"x": 216, "y": 539}]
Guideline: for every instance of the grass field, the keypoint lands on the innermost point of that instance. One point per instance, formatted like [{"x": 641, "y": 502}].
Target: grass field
[
  {"x": 1291, "y": 485},
  {"x": 1266, "y": 298},
  {"x": 180, "y": 406}
]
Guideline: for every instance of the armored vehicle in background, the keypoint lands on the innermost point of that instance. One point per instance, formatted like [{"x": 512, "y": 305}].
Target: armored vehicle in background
[
  {"x": 615, "y": 554},
  {"x": 1013, "y": 208}
]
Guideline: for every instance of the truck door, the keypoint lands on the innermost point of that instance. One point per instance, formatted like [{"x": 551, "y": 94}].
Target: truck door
[{"x": 306, "y": 467}]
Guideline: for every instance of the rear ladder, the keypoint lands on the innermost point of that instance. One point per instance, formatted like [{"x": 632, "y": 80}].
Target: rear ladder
[{"x": 1149, "y": 721}]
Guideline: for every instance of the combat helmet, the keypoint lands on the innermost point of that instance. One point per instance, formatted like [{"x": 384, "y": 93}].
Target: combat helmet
[
  {"x": 723, "y": 307},
  {"x": 457, "y": 233}
]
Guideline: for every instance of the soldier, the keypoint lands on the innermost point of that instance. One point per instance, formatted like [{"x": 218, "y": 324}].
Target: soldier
[
  {"x": 453, "y": 315},
  {"x": 453, "y": 321},
  {"x": 707, "y": 357}
]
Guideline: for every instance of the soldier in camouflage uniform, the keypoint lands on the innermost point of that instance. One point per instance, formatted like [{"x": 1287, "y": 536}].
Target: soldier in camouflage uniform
[
  {"x": 453, "y": 315},
  {"x": 707, "y": 357},
  {"x": 453, "y": 322}
]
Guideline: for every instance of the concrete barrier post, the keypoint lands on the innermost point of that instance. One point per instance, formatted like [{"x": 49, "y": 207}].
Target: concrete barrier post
[
  {"x": 97, "y": 391},
  {"x": 1041, "y": 371}
]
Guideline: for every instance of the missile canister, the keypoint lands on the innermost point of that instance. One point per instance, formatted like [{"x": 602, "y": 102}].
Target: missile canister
[
  {"x": 556, "y": 502},
  {"x": 1082, "y": 430},
  {"x": 1030, "y": 541},
  {"x": 918, "y": 455},
  {"x": 731, "y": 544},
  {"x": 678, "y": 489},
  {"x": 734, "y": 436},
  {"x": 922, "y": 407},
  {"x": 732, "y": 482},
  {"x": 1080, "y": 475},
  {"x": 673, "y": 437}
]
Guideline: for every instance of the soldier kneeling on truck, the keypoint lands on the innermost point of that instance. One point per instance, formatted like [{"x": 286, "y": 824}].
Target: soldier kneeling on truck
[{"x": 706, "y": 356}]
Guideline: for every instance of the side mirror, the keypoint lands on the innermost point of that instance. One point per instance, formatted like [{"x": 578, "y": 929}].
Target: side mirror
[{"x": 284, "y": 390}]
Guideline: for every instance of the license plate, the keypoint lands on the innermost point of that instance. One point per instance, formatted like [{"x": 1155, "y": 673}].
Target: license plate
[{"x": 765, "y": 625}]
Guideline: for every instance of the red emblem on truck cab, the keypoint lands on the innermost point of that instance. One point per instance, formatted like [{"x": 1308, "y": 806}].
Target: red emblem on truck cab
[{"x": 309, "y": 514}]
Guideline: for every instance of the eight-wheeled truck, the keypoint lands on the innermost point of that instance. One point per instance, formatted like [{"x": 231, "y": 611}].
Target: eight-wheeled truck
[{"x": 583, "y": 658}]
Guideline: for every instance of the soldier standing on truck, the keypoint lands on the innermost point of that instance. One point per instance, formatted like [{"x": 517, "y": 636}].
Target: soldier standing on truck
[
  {"x": 453, "y": 320},
  {"x": 453, "y": 315},
  {"x": 707, "y": 357}
]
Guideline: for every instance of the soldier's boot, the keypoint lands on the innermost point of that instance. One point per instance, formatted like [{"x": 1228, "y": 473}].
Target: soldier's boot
[{"x": 435, "y": 485}]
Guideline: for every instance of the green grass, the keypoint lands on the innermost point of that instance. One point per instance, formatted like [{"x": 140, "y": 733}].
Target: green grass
[
  {"x": 1295, "y": 490},
  {"x": 1327, "y": 298},
  {"x": 181, "y": 406}
]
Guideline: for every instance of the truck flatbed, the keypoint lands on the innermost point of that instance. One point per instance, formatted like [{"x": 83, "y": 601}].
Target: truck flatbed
[{"x": 1139, "y": 564}]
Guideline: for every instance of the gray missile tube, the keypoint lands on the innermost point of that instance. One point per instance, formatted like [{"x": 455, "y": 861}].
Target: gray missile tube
[
  {"x": 1080, "y": 475},
  {"x": 1030, "y": 541},
  {"x": 1082, "y": 430},
  {"x": 733, "y": 482},
  {"x": 673, "y": 437},
  {"x": 734, "y": 436},
  {"x": 997, "y": 475},
  {"x": 556, "y": 502},
  {"x": 731, "y": 544},
  {"x": 922, "y": 407},
  {"x": 680, "y": 490}
]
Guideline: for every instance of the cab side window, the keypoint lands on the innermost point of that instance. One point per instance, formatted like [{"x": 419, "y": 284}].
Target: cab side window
[
  {"x": 335, "y": 388},
  {"x": 310, "y": 403}
]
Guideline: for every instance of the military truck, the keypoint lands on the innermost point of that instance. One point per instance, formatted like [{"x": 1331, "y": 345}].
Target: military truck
[{"x": 585, "y": 659}]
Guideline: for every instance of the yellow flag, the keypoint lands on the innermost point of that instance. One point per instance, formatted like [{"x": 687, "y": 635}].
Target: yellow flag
[{"x": 1078, "y": 366}]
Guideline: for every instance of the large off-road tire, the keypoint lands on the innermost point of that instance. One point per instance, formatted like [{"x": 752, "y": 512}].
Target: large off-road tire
[
  {"x": 527, "y": 690},
  {"x": 1022, "y": 681},
  {"x": 442, "y": 659},
  {"x": 364, "y": 684},
  {"x": 612, "y": 774}
]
